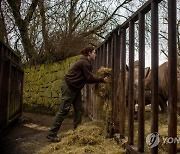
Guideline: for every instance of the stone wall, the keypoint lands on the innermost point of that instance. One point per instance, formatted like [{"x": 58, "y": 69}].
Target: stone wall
[{"x": 42, "y": 85}]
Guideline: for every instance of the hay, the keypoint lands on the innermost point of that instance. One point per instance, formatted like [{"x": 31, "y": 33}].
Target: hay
[
  {"x": 163, "y": 130},
  {"x": 103, "y": 90},
  {"x": 89, "y": 138},
  {"x": 104, "y": 93}
]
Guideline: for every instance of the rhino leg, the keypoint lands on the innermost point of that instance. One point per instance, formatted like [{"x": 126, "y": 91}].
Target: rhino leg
[{"x": 163, "y": 104}]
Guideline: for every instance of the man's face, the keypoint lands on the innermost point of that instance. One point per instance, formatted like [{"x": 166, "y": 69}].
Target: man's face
[{"x": 92, "y": 55}]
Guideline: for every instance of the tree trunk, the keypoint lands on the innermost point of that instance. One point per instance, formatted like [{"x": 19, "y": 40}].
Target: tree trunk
[
  {"x": 44, "y": 30},
  {"x": 3, "y": 34},
  {"x": 22, "y": 25}
]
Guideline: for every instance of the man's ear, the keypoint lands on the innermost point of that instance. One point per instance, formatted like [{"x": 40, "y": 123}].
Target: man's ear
[{"x": 89, "y": 53}]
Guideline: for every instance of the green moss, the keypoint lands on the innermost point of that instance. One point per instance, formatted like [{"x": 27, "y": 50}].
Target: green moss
[
  {"x": 42, "y": 85},
  {"x": 56, "y": 85},
  {"x": 54, "y": 94},
  {"x": 41, "y": 67}
]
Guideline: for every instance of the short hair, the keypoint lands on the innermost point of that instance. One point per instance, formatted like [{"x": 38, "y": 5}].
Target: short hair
[{"x": 86, "y": 50}]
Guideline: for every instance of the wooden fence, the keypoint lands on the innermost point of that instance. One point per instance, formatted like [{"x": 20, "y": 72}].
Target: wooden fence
[
  {"x": 112, "y": 53},
  {"x": 11, "y": 86}
]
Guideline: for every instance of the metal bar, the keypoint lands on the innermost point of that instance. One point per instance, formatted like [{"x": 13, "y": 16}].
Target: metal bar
[
  {"x": 141, "y": 108},
  {"x": 154, "y": 65},
  {"x": 172, "y": 75},
  {"x": 131, "y": 85},
  {"x": 123, "y": 84}
]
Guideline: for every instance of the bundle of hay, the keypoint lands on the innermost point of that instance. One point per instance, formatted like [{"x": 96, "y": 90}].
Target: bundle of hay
[
  {"x": 104, "y": 93},
  {"x": 88, "y": 138},
  {"x": 103, "y": 90}
]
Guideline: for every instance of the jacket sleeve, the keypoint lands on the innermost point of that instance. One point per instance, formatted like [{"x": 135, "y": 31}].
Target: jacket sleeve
[{"x": 90, "y": 78}]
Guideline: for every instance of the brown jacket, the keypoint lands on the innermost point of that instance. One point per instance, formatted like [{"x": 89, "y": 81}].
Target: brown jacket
[{"x": 80, "y": 74}]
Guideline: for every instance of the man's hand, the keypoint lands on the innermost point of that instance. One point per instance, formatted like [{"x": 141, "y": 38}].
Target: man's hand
[{"x": 106, "y": 79}]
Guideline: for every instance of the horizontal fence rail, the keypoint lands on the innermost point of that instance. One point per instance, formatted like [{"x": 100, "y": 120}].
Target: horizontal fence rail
[{"x": 112, "y": 54}]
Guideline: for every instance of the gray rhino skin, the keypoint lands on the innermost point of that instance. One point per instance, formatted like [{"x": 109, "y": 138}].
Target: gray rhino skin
[
  {"x": 163, "y": 85},
  {"x": 136, "y": 68}
]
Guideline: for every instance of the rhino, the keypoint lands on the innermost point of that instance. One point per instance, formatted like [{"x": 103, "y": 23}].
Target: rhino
[
  {"x": 163, "y": 86},
  {"x": 136, "y": 68},
  {"x": 148, "y": 80}
]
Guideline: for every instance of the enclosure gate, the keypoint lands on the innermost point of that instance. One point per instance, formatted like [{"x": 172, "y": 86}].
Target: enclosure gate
[
  {"x": 11, "y": 86},
  {"x": 112, "y": 53}
]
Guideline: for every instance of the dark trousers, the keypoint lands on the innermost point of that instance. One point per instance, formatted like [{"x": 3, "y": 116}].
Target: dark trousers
[{"x": 69, "y": 96}]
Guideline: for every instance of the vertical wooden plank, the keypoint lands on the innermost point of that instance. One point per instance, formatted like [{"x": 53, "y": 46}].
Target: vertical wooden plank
[
  {"x": 10, "y": 90},
  {"x": 1, "y": 82},
  {"x": 154, "y": 66},
  {"x": 87, "y": 102},
  {"x": 112, "y": 86},
  {"x": 105, "y": 54},
  {"x": 172, "y": 75},
  {"x": 117, "y": 72},
  {"x": 122, "y": 83},
  {"x": 101, "y": 56},
  {"x": 109, "y": 53},
  {"x": 5, "y": 92},
  {"x": 115, "y": 79},
  {"x": 131, "y": 85},
  {"x": 9, "y": 105},
  {"x": 141, "y": 107},
  {"x": 21, "y": 86}
]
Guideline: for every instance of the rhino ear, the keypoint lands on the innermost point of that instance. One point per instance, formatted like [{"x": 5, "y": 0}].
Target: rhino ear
[
  {"x": 127, "y": 68},
  {"x": 147, "y": 71}
]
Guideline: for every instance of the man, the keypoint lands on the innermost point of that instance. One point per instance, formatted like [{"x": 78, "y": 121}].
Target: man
[{"x": 75, "y": 79}]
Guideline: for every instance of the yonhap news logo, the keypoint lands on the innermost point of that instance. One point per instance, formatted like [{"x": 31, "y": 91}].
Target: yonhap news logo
[{"x": 152, "y": 140}]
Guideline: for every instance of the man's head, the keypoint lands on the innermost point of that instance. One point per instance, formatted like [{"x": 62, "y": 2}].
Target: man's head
[{"x": 89, "y": 52}]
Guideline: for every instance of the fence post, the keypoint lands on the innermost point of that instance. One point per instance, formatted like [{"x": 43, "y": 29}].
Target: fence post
[
  {"x": 131, "y": 85},
  {"x": 141, "y": 108},
  {"x": 122, "y": 83},
  {"x": 154, "y": 65},
  {"x": 172, "y": 75}
]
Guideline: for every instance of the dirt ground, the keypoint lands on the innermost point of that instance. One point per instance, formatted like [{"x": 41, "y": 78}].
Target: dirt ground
[{"x": 27, "y": 136}]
